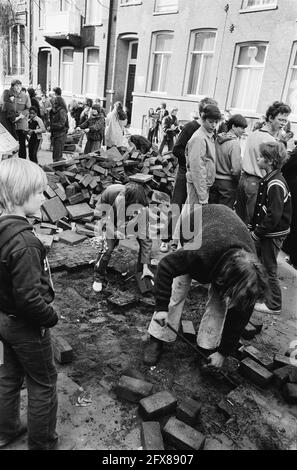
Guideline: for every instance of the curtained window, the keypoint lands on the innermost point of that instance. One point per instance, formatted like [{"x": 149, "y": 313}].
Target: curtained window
[
  {"x": 67, "y": 69},
  {"x": 201, "y": 62},
  {"x": 91, "y": 72},
  {"x": 162, "y": 51}
]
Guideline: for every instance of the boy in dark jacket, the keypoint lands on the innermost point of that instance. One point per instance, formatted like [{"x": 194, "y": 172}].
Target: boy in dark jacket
[
  {"x": 94, "y": 127},
  {"x": 272, "y": 218},
  {"x": 26, "y": 311},
  {"x": 220, "y": 252}
]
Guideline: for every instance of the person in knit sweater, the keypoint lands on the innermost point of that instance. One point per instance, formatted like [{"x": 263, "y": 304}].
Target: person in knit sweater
[
  {"x": 94, "y": 127},
  {"x": 218, "y": 251},
  {"x": 272, "y": 218}
]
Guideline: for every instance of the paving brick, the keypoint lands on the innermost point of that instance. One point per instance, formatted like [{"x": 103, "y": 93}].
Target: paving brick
[
  {"x": 188, "y": 411},
  {"x": 188, "y": 330},
  {"x": 290, "y": 393},
  {"x": 49, "y": 192},
  {"x": 71, "y": 238},
  {"x": 43, "y": 231},
  {"x": 151, "y": 436},
  {"x": 46, "y": 240},
  {"x": 46, "y": 225},
  {"x": 76, "y": 199},
  {"x": 281, "y": 361},
  {"x": 64, "y": 225},
  {"x": 140, "y": 178},
  {"x": 255, "y": 372},
  {"x": 144, "y": 285},
  {"x": 70, "y": 190},
  {"x": 281, "y": 376},
  {"x": 263, "y": 359},
  {"x": 182, "y": 436},
  {"x": 249, "y": 332},
  {"x": 134, "y": 373},
  {"x": 122, "y": 300},
  {"x": 78, "y": 211},
  {"x": 132, "y": 389},
  {"x": 158, "y": 405},
  {"x": 54, "y": 209},
  {"x": 63, "y": 352}
]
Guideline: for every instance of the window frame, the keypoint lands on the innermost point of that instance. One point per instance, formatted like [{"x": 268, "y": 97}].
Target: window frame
[
  {"x": 191, "y": 52},
  {"x": 254, "y": 8},
  {"x": 291, "y": 68},
  {"x": 41, "y": 14},
  {"x": 235, "y": 67},
  {"x": 61, "y": 68},
  {"x": 20, "y": 55},
  {"x": 85, "y": 92},
  {"x": 130, "y": 3},
  {"x": 155, "y": 34},
  {"x": 168, "y": 11},
  {"x": 97, "y": 23}
]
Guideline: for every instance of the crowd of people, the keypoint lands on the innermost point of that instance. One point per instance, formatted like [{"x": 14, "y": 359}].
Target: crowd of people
[{"x": 240, "y": 207}]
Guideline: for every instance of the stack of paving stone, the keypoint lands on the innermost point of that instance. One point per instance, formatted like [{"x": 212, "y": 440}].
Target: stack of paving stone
[{"x": 75, "y": 185}]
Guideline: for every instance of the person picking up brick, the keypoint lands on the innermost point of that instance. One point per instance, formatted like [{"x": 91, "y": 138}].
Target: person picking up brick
[{"x": 218, "y": 251}]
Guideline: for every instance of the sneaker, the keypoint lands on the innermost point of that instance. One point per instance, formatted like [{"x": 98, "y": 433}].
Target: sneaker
[
  {"x": 164, "y": 247},
  {"x": 97, "y": 286},
  {"x": 152, "y": 351},
  {"x": 22, "y": 430},
  {"x": 262, "y": 308}
]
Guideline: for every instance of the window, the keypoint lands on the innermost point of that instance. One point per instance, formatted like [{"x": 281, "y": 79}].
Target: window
[
  {"x": 130, "y": 2},
  {"x": 162, "y": 50},
  {"x": 93, "y": 12},
  {"x": 290, "y": 94},
  {"x": 17, "y": 50},
  {"x": 166, "y": 6},
  {"x": 200, "y": 62},
  {"x": 259, "y": 4},
  {"x": 67, "y": 69},
  {"x": 91, "y": 72},
  {"x": 41, "y": 5},
  {"x": 247, "y": 76}
]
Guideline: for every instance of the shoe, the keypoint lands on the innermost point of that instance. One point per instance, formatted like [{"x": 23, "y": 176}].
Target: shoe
[
  {"x": 22, "y": 430},
  {"x": 164, "y": 247},
  {"x": 152, "y": 351},
  {"x": 262, "y": 308},
  {"x": 97, "y": 286}
]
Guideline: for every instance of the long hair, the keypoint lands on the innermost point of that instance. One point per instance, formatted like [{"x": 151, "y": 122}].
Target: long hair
[
  {"x": 135, "y": 194},
  {"x": 241, "y": 279}
]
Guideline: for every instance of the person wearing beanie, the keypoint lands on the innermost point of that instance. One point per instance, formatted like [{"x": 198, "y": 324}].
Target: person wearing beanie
[{"x": 201, "y": 157}]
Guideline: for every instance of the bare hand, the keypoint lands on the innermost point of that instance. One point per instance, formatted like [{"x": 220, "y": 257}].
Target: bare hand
[
  {"x": 161, "y": 318},
  {"x": 217, "y": 360},
  {"x": 146, "y": 272}
]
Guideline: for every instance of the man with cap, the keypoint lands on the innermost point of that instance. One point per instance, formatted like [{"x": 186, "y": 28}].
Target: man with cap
[{"x": 22, "y": 105}]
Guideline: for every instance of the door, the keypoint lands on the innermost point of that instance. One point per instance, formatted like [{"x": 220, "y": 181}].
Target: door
[
  {"x": 44, "y": 70},
  {"x": 130, "y": 81}
]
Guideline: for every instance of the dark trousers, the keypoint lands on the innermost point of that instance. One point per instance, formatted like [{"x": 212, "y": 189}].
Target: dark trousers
[
  {"x": 92, "y": 146},
  {"x": 167, "y": 140},
  {"x": 179, "y": 197},
  {"x": 268, "y": 249},
  {"x": 33, "y": 146},
  {"x": 223, "y": 192},
  {"x": 22, "y": 135},
  {"x": 58, "y": 146},
  {"x": 28, "y": 354},
  {"x": 246, "y": 197}
]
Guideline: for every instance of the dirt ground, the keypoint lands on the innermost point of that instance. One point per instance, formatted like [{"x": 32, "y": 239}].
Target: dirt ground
[{"x": 108, "y": 341}]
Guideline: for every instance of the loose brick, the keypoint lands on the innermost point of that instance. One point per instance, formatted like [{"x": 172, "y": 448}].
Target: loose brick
[
  {"x": 133, "y": 390},
  {"x": 293, "y": 375},
  {"x": 49, "y": 192},
  {"x": 54, "y": 209},
  {"x": 79, "y": 211},
  {"x": 290, "y": 393},
  {"x": 281, "y": 361},
  {"x": 263, "y": 359},
  {"x": 71, "y": 238},
  {"x": 249, "y": 332},
  {"x": 61, "y": 194},
  {"x": 281, "y": 376},
  {"x": 63, "y": 352},
  {"x": 140, "y": 178},
  {"x": 151, "y": 436},
  {"x": 255, "y": 372},
  {"x": 46, "y": 240},
  {"x": 158, "y": 405},
  {"x": 144, "y": 285},
  {"x": 182, "y": 436},
  {"x": 64, "y": 225},
  {"x": 188, "y": 330},
  {"x": 188, "y": 411},
  {"x": 50, "y": 226},
  {"x": 226, "y": 406},
  {"x": 122, "y": 300},
  {"x": 135, "y": 374}
]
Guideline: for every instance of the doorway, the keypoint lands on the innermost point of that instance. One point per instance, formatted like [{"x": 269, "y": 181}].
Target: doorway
[
  {"x": 130, "y": 80},
  {"x": 45, "y": 69}
]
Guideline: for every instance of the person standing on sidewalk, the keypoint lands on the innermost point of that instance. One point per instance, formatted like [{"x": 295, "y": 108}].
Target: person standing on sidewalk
[
  {"x": 276, "y": 118},
  {"x": 59, "y": 127},
  {"x": 22, "y": 105},
  {"x": 36, "y": 129},
  {"x": 271, "y": 221}
]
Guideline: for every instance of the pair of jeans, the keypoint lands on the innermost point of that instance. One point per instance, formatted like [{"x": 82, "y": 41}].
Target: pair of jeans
[
  {"x": 246, "y": 197},
  {"x": 58, "y": 146},
  {"x": 22, "y": 136},
  {"x": 179, "y": 197},
  {"x": 28, "y": 354},
  {"x": 212, "y": 323},
  {"x": 223, "y": 192},
  {"x": 268, "y": 250},
  {"x": 168, "y": 140},
  {"x": 34, "y": 144}
]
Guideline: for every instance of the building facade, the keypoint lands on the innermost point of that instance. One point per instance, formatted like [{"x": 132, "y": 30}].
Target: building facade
[{"x": 242, "y": 52}]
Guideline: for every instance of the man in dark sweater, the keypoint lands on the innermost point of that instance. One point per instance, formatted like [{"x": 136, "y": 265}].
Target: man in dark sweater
[{"x": 219, "y": 251}]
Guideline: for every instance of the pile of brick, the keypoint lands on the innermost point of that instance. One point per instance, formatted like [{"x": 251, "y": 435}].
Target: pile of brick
[{"x": 75, "y": 185}]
